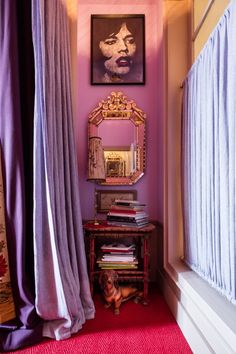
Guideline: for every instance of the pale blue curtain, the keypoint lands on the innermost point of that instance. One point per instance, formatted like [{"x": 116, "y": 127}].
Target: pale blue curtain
[
  {"x": 63, "y": 296},
  {"x": 209, "y": 159}
]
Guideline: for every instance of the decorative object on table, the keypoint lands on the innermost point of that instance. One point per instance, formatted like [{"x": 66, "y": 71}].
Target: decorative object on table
[
  {"x": 127, "y": 213},
  {"x": 96, "y": 167},
  {"x": 117, "y": 49},
  {"x": 115, "y": 294},
  {"x": 105, "y": 198}
]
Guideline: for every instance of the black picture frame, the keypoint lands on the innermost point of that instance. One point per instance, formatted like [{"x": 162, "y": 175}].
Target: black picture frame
[{"x": 109, "y": 34}]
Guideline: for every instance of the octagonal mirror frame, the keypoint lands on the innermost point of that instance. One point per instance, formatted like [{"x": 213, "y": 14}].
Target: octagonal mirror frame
[{"x": 117, "y": 107}]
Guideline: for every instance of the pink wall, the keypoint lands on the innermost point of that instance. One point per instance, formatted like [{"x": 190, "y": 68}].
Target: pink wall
[{"x": 148, "y": 97}]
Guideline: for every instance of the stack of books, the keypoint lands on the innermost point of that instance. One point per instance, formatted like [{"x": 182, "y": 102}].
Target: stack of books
[
  {"x": 118, "y": 256},
  {"x": 127, "y": 213}
]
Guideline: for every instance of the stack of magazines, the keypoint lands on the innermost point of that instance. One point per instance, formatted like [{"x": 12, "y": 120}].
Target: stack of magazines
[
  {"x": 129, "y": 213},
  {"x": 118, "y": 256}
]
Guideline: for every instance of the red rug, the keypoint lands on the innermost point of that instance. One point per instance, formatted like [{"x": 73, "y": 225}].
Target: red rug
[{"x": 138, "y": 329}]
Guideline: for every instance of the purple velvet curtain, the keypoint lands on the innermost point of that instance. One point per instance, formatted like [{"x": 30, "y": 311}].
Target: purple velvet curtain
[
  {"x": 63, "y": 297},
  {"x": 39, "y": 162},
  {"x": 15, "y": 128}
]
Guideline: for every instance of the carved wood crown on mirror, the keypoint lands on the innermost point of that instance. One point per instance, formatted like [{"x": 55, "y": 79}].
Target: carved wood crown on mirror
[{"x": 121, "y": 126}]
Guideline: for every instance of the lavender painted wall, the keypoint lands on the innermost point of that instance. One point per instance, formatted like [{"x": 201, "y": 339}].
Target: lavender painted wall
[{"x": 149, "y": 98}]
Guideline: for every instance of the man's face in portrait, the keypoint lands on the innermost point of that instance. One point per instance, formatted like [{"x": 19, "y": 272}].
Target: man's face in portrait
[{"x": 118, "y": 48}]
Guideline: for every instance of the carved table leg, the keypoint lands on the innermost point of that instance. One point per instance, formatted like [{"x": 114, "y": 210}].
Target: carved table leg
[
  {"x": 145, "y": 268},
  {"x": 91, "y": 261}
]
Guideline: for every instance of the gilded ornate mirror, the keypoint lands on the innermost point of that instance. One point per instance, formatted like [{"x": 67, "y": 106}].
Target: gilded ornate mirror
[{"x": 121, "y": 126}]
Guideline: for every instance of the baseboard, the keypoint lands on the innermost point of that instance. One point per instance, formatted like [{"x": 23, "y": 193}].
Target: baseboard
[{"x": 203, "y": 328}]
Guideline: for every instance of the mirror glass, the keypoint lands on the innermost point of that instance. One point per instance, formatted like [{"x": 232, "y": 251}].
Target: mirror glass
[{"x": 121, "y": 126}]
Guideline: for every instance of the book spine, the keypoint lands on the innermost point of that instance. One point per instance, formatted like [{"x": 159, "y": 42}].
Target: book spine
[
  {"x": 127, "y": 202},
  {"x": 127, "y": 207},
  {"x": 109, "y": 251},
  {"x": 117, "y": 262},
  {"x": 116, "y": 223},
  {"x": 118, "y": 266},
  {"x": 124, "y": 211},
  {"x": 129, "y": 215},
  {"x": 125, "y": 218}
]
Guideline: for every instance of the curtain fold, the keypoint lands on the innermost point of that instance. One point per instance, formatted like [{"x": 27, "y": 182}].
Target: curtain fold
[
  {"x": 209, "y": 165},
  {"x": 63, "y": 296},
  {"x": 26, "y": 328}
]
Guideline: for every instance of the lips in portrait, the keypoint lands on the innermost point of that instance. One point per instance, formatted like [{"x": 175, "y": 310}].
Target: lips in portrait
[{"x": 124, "y": 61}]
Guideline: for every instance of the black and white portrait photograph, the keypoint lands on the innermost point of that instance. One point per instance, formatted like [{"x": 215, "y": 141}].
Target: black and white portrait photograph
[{"x": 117, "y": 49}]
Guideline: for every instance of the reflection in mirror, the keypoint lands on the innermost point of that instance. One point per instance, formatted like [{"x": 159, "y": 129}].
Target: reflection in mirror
[
  {"x": 119, "y": 161},
  {"x": 121, "y": 126},
  {"x": 124, "y": 132}
]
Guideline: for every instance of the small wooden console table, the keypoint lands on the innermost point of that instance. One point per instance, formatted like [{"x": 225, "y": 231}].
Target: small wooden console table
[{"x": 101, "y": 232}]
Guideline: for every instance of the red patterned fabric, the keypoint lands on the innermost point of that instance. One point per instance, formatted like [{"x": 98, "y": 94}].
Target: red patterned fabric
[{"x": 7, "y": 309}]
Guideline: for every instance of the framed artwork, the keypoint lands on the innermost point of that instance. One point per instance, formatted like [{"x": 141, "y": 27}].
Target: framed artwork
[
  {"x": 116, "y": 161},
  {"x": 117, "y": 49},
  {"x": 106, "y": 197}
]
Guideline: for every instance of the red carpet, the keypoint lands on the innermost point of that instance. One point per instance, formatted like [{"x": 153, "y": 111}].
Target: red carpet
[{"x": 137, "y": 330}]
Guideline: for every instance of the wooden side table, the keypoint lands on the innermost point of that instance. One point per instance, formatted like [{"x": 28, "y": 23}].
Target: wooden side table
[{"x": 141, "y": 236}]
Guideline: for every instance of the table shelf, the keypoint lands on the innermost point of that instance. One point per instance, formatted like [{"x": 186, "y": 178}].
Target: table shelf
[{"x": 102, "y": 233}]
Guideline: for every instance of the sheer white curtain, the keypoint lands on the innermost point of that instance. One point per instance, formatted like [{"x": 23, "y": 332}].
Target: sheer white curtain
[
  {"x": 63, "y": 296},
  {"x": 209, "y": 159}
]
